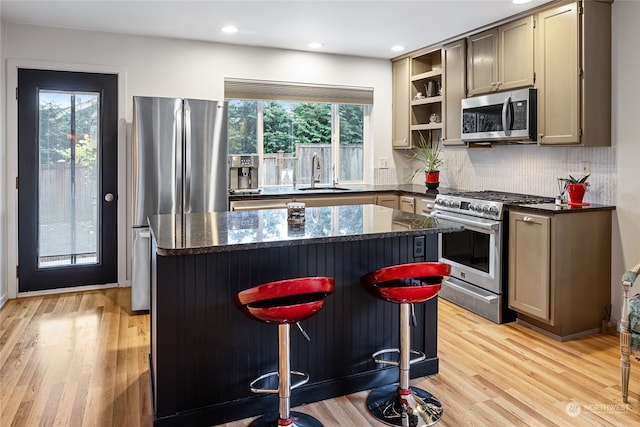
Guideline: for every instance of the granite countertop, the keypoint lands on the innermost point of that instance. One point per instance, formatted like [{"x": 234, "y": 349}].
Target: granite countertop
[
  {"x": 555, "y": 209},
  {"x": 236, "y": 230},
  {"x": 283, "y": 192}
]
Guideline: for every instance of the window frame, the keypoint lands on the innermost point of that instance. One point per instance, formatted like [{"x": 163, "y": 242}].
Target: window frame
[{"x": 335, "y": 141}]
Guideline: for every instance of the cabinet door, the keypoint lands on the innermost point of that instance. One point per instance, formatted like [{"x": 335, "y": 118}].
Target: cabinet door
[
  {"x": 515, "y": 61},
  {"x": 558, "y": 75},
  {"x": 400, "y": 103},
  {"x": 388, "y": 200},
  {"x": 243, "y": 205},
  {"x": 312, "y": 202},
  {"x": 529, "y": 264},
  {"x": 454, "y": 90},
  {"x": 408, "y": 204},
  {"x": 482, "y": 67}
]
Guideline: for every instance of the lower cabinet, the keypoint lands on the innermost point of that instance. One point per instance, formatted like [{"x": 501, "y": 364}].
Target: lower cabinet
[
  {"x": 408, "y": 204},
  {"x": 560, "y": 270},
  {"x": 312, "y": 202},
  {"x": 529, "y": 262},
  {"x": 387, "y": 200},
  {"x": 382, "y": 199},
  {"x": 243, "y": 205}
]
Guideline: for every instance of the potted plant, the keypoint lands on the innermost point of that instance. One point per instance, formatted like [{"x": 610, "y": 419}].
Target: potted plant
[
  {"x": 576, "y": 187},
  {"x": 428, "y": 153}
]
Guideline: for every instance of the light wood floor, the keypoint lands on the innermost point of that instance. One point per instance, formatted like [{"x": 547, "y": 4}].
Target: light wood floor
[{"x": 80, "y": 359}]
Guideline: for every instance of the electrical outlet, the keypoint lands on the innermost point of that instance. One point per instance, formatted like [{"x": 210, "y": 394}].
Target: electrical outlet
[
  {"x": 585, "y": 167},
  {"x": 384, "y": 163},
  {"x": 418, "y": 246}
]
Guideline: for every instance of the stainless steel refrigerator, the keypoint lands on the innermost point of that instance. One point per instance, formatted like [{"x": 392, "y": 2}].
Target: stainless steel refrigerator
[{"x": 179, "y": 166}]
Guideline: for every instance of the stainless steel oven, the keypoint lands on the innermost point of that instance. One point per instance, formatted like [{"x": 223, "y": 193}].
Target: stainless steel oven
[{"x": 478, "y": 255}]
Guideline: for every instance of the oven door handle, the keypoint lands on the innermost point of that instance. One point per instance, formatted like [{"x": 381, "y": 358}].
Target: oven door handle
[{"x": 471, "y": 223}]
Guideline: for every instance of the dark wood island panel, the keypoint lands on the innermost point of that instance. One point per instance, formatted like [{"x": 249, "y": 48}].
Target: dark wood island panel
[{"x": 204, "y": 351}]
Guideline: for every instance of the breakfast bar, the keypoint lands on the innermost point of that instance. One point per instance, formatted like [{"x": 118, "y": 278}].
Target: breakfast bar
[{"x": 205, "y": 351}]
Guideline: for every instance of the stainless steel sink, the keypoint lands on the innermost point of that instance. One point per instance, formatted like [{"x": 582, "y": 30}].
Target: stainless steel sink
[{"x": 323, "y": 188}]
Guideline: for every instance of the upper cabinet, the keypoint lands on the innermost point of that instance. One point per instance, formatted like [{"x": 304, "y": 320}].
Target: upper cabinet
[
  {"x": 573, "y": 74},
  {"x": 482, "y": 62},
  {"x": 417, "y": 98},
  {"x": 454, "y": 90},
  {"x": 426, "y": 96},
  {"x": 400, "y": 102},
  {"x": 501, "y": 58}
]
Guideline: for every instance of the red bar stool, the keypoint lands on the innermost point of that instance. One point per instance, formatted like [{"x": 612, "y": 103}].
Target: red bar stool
[
  {"x": 406, "y": 284},
  {"x": 285, "y": 302}
]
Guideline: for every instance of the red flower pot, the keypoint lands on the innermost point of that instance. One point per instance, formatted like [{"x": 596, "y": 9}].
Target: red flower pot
[
  {"x": 432, "y": 179},
  {"x": 576, "y": 192}
]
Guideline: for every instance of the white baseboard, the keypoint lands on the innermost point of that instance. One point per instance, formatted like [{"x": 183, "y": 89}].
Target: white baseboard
[
  {"x": 66, "y": 290},
  {"x": 3, "y": 299}
]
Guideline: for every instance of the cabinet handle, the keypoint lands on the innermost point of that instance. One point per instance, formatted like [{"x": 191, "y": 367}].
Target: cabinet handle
[{"x": 527, "y": 219}]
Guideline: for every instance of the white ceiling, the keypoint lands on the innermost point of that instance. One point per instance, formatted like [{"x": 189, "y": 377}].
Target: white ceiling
[{"x": 352, "y": 27}]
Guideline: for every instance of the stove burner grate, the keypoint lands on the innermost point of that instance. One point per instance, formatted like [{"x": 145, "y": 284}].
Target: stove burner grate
[{"x": 504, "y": 197}]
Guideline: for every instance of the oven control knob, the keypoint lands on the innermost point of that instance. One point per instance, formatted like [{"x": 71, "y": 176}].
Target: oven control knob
[
  {"x": 455, "y": 204},
  {"x": 486, "y": 209},
  {"x": 493, "y": 210}
]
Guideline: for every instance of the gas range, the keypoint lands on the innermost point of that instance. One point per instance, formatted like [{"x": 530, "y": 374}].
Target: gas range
[{"x": 485, "y": 204}]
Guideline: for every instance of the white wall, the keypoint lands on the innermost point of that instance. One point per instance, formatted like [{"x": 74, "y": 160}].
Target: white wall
[
  {"x": 177, "y": 68},
  {"x": 626, "y": 137},
  {"x": 3, "y": 161}
]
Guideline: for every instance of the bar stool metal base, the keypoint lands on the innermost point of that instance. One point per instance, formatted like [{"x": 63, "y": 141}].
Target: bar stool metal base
[
  {"x": 418, "y": 409},
  {"x": 299, "y": 420}
]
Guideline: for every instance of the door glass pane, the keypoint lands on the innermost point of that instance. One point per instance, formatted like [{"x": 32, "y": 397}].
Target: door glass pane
[
  {"x": 351, "y": 142},
  {"x": 68, "y": 204}
]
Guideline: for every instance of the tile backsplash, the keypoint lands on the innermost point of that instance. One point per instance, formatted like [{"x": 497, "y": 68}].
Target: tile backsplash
[{"x": 529, "y": 169}]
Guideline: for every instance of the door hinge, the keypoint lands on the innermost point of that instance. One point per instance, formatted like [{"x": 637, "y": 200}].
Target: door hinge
[
  {"x": 17, "y": 183},
  {"x": 17, "y": 271},
  {"x": 16, "y": 93},
  {"x": 534, "y": 77}
]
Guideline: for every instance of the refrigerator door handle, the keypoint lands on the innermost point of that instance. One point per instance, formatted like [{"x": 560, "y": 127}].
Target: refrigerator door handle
[
  {"x": 178, "y": 147},
  {"x": 186, "y": 174}
]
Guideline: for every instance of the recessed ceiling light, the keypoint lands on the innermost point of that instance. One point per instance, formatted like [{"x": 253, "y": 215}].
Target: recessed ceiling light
[
  {"x": 230, "y": 29},
  {"x": 397, "y": 48},
  {"x": 520, "y": 1},
  {"x": 315, "y": 45}
]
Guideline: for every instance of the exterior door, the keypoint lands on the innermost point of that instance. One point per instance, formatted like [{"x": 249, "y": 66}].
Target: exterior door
[{"x": 67, "y": 179}]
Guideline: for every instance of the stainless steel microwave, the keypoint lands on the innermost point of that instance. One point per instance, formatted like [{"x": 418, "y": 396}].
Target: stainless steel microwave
[{"x": 501, "y": 117}]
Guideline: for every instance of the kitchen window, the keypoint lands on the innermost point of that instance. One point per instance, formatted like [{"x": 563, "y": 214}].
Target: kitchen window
[{"x": 288, "y": 132}]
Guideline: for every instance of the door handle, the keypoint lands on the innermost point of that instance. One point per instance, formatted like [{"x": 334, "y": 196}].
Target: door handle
[
  {"x": 527, "y": 219},
  {"x": 109, "y": 197}
]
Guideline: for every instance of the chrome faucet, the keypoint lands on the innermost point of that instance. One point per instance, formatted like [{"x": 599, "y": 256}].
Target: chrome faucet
[{"x": 315, "y": 164}]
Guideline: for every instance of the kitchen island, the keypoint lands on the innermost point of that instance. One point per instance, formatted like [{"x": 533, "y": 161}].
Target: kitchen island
[{"x": 204, "y": 351}]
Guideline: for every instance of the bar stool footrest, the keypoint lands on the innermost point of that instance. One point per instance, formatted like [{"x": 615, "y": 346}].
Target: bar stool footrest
[
  {"x": 303, "y": 375},
  {"x": 299, "y": 420},
  {"x": 420, "y": 356},
  {"x": 417, "y": 408}
]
